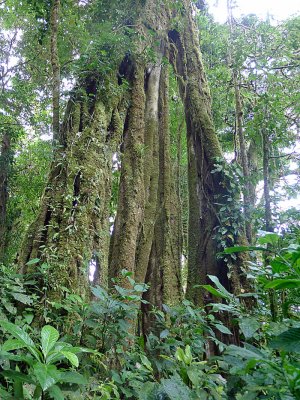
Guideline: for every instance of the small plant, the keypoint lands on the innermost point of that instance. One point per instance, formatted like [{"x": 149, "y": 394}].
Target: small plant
[
  {"x": 13, "y": 290},
  {"x": 35, "y": 370}
]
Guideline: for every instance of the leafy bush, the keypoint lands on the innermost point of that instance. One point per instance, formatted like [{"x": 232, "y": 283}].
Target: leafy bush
[
  {"x": 174, "y": 361},
  {"x": 33, "y": 369}
]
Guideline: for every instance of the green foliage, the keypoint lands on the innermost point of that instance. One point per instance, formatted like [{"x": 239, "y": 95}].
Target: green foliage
[
  {"x": 27, "y": 181},
  {"x": 13, "y": 291},
  {"x": 38, "y": 368},
  {"x": 280, "y": 272},
  {"x": 171, "y": 364},
  {"x": 174, "y": 361},
  {"x": 228, "y": 205}
]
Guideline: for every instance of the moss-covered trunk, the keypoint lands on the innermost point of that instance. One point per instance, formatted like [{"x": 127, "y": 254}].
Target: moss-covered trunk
[
  {"x": 151, "y": 171},
  {"x": 69, "y": 229},
  {"x": 207, "y": 186},
  {"x": 5, "y": 166},
  {"x": 131, "y": 190},
  {"x": 163, "y": 269}
]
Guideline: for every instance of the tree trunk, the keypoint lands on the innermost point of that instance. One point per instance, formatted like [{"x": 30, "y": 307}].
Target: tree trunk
[
  {"x": 151, "y": 171},
  {"x": 131, "y": 191},
  {"x": 54, "y": 23},
  {"x": 67, "y": 233},
  {"x": 253, "y": 172},
  {"x": 211, "y": 184},
  {"x": 163, "y": 269},
  {"x": 5, "y": 165},
  {"x": 242, "y": 154},
  {"x": 266, "y": 172},
  {"x": 196, "y": 276},
  {"x": 243, "y": 159},
  {"x": 268, "y": 215},
  {"x": 71, "y": 224}
]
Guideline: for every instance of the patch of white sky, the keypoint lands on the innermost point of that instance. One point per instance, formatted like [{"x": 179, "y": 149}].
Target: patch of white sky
[{"x": 275, "y": 9}]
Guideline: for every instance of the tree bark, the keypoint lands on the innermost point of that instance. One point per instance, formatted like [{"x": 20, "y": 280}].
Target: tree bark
[
  {"x": 145, "y": 238},
  {"x": 66, "y": 233},
  {"x": 151, "y": 172},
  {"x": 54, "y": 24},
  {"x": 163, "y": 269},
  {"x": 131, "y": 191},
  {"x": 5, "y": 166},
  {"x": 266, "y": 172},
  {"x": 188, "y": 65}
]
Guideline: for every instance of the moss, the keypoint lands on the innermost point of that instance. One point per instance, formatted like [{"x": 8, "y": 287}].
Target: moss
[
  {"x": 65, "y": 233},
  {"x": 145, "y": 236},
  {"x": 131, "y": 190}
]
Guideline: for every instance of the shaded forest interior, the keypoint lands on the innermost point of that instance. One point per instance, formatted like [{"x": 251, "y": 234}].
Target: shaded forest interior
[{"x": 148, "y": 228}]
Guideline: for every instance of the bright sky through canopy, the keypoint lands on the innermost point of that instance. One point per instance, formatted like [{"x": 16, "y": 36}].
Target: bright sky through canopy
[{"x": 279, "y": 9}]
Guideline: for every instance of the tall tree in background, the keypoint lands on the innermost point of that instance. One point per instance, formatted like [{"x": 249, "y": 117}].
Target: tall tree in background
[
  {"x": 239, "y": 111},
  {"x": 54, "y": 26}
]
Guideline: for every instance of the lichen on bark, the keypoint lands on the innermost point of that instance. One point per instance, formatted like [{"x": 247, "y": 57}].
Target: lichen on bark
[{"x": 73, "y": 210}]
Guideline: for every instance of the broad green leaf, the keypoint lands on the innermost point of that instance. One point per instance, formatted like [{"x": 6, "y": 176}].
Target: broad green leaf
[
  {"x": 23, "y": 336},
  {"x": 99, "y": 292},
  {"x": 33, "y": 261},
  {"x": 149, "y": 391},
  {"x": 242, "y": 352},
  {"x": 222, "y": 328},
  {"x": 9, "y": 307},
  {"x": 4, "y": 355},
  {"x": 28, "y": 318},
  {"x": 72, "y": 377},
  {"x": 251, "y": 364},
  {"x": 249, "y": 326},
  {"x": 279, "y": 266},
  {"x": 249, "y": 395},
  {"x": 146, "y": 362},
  {"x": 214, "y": 291},
  {"x": 5, "y": 395},
  {"x": 193, "y": 373},
  {"x": 126, "y": 273},
  {"x": 287, "y": 341},
  {"x": 123, "y": 292},
  {"x": 56, "y": 355},
  {"x": 224, "y": 307},
  {"x": 220, "y": 286},
  {"x": 188, "y": 355},
  {"x": 284, "y": 283},
  {"x": 49, "y": 336},
  {"x": 239, "y": 249},
  {"x": 176, "y": 389},
  {"x": 55, "y": 393},
  {"x": 22, "y": 298},
  {"x": 269, "y": 238},
  {"x": 47, "y": 375},
  {"x": 37, "y": 394},
  {"x": 164, "y": 334},
  {"x": 78, "y": 349},
  {"x": 18, "y": 389},
  {"x": 141, "y": 288},
  {"x": 71, "y": 357},
  {"x": 13, "y": 344},
  {"x": 179, "y": 354},
  {"x": 17, "y": 332},
  {"x": 16, "y": 375}
]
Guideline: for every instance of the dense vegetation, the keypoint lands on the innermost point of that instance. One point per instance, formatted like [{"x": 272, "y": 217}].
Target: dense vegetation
[{"x": 149, "y": 160}]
